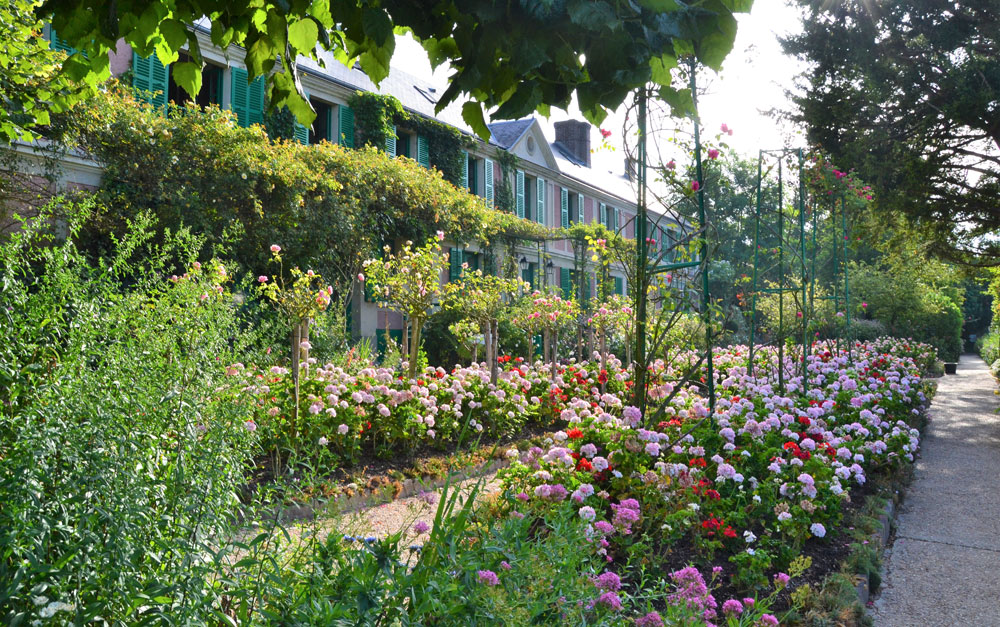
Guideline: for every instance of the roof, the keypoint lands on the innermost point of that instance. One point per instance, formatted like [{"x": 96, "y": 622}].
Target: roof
[{"x": 506, "y": 133}]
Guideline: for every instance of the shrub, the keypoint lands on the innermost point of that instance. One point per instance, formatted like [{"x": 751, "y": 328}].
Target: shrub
[
  {"x": 865, "y": 330},
  {"x": 122, "y": 444}
]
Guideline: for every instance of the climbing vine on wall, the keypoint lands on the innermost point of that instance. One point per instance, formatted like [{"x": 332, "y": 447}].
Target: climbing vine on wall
[
  {"x": 378, "y": 116},
  {"x": 504, "y": 195}
]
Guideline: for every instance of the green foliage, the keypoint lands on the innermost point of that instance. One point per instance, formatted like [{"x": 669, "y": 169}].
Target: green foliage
[
  {"x": 379, "y": 115},
  {"x": 911, "y": 299},
  {"x": 326, "y": 206},
  {"x": 36, "y": 80},
  {"x": 122, "y": 443},
  {"x": 906, "y": 95},
  {"x": 512, "y": 61}
]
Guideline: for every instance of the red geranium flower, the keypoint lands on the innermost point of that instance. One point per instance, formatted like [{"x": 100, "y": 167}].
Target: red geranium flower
[{"x": 574, "y": 434}]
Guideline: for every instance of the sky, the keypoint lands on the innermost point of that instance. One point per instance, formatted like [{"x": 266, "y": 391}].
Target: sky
[{"x": 753, "y": 80}]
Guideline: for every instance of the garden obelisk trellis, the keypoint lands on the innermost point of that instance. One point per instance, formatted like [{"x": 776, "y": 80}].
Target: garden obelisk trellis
[
  {"x": 799, "y": 285},
  {"x": 643, "y": 269}
]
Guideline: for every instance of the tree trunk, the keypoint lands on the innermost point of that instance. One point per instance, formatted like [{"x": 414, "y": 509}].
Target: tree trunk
[
  {"x": 495, "y": 345},
  {"x": 415, "y": 347}
]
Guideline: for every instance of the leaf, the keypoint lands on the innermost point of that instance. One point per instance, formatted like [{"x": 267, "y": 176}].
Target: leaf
[
  {"x": 716, "y": 45},
  {"x": 680, "y": 100},
  {"x": 174, "y": 35},
  {"x": 472, "y": 113},
  {"x": 377, "y": 25},
  {"x": 303, "y": 34},
  {"x": 592, "y": 15},
  {"x": 188, "y": 75},
  {"x": 660, "y": 5},
  {"x": 661, "y": 67},
  {"x": 738, "y": 6}
]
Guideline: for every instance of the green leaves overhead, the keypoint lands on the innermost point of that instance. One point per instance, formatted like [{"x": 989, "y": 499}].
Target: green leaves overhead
[{"x": 512, "y": 58}]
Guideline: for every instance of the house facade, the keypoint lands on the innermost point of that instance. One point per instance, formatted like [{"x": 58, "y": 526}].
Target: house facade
[{"x": 555, "y": 182}]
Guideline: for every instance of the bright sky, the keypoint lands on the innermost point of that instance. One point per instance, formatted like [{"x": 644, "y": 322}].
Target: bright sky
[{"x": 753, "y": 80}]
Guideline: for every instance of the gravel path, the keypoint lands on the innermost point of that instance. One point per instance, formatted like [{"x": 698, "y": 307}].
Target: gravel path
[
  {"x": 397, "y": 515},
  {"x": 944, "y": 567}
]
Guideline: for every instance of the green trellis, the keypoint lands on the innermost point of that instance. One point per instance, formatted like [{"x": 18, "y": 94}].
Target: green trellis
[{"x": 792, "y": 269}]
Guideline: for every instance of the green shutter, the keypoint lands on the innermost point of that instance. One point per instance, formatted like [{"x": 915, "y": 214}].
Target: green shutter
[
  {"x": 566, "y": 282},
  {"x": 346, "y": 125},
  {"x": 255, "y": 106},
  {"x": 465, "y": 170},
  {"x": 423, "y": 152},
  {"x": 302, "y": 132},
  {"x": 540, "y": 202},
  {"x": 564, "y": 197},
  {"x": 474, "y": 177},
  {"x": 519, "y": 193},
  {"x": 149, "y": 75},
  {"x": 454, "y": 264},
  {"x": 60, "y": 44},
  {"x": 579, "y": 209},
  {"x": 390, "y": 143},
  {"x": 615, "y": 220},
  {"x": 329, "y": 124},
  {"x": 619, "y": 286},
  {"x": 238, "y": 99},
  {"x": 603, "y": 214},
  {"x": 489, "y": 181}
]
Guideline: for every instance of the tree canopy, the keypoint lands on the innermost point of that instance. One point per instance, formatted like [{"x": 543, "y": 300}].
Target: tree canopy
[
  {"x": 513, "y": 58},
  {"x": 908, "y": 92}
]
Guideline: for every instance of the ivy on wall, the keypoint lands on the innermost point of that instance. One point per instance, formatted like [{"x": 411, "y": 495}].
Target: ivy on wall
[
  {"x": 377, "y": 116},
  {"x": 504, "y": 195}
]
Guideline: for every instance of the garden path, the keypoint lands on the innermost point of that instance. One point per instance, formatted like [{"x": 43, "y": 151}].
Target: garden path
[
  {"x": 397, "y": 515},
  {"x": 944, "y": 567}
]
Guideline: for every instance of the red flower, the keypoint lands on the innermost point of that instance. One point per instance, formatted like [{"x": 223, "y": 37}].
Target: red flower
[
  {"x": 605, "y": 133},
  {"x": 584, "y": 465},
  {"x": 712, "y": 494},
  {"x": 574, "y": 434},
  {"x": 729, "y": 532},
  {"x": 697, "y": 461}
]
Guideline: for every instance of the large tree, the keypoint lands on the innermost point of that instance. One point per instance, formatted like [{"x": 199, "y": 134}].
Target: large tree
[
  {"x": 510, "y": 57},
  {"x": 907, "y": 92}
]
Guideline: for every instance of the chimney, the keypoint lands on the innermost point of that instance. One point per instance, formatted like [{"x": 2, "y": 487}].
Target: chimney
[
  {"x": 630, "y": 169},
  {"x": 575, "y": 136}
]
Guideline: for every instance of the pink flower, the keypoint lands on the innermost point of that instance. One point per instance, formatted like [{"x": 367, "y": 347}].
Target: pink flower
[
  {"x": 671, "y": 165},
  {"x": 262, "y": 278},
  {"x": 725, "y": 129},
  {"x": 275, "y": 248},
  {"x": 864, "y": 305},
  {"x": 488, "y": 577},
  {"x": 695, "y": 186},
  {"x": 713, "y": 153},
  {"x": 440, "y": 236},
  {"x": 605, "y": 133},
  {"x": 361, "y": 277},
  {"x": 250, "y": 426}
]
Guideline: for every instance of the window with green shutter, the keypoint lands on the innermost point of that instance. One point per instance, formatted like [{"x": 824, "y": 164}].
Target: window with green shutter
[
  {"x": 519, "y": 193},
  {"x": 152, "y": 78},
  {"x": 247, "y": 100},
  {"x": 488, "y": 194},
  {"x": 540, "y": 201},
  {"x": 465, "y": 170},
  {"x": 390, "y": 142},
  {"x": 603, "y": 215},
  {"x": 566, "y": 282},
  {"x": 322, "y": 128},
  {"x": 454, "y": 264},
  {"x": 564, "y": 201},
  {"x": 56, "y": 43},
  {"x": 301, "y": 132},
  {"x": 579, "y": 209},
  {"x": 345, "y": 119},
  {"x": 423, "y": 151},
  {"x": 615, "y": 217},
  {"x": 619, "y": 286}
]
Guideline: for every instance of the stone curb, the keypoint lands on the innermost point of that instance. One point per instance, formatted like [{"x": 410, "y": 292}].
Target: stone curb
[{"x": 882, "y": 538}]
